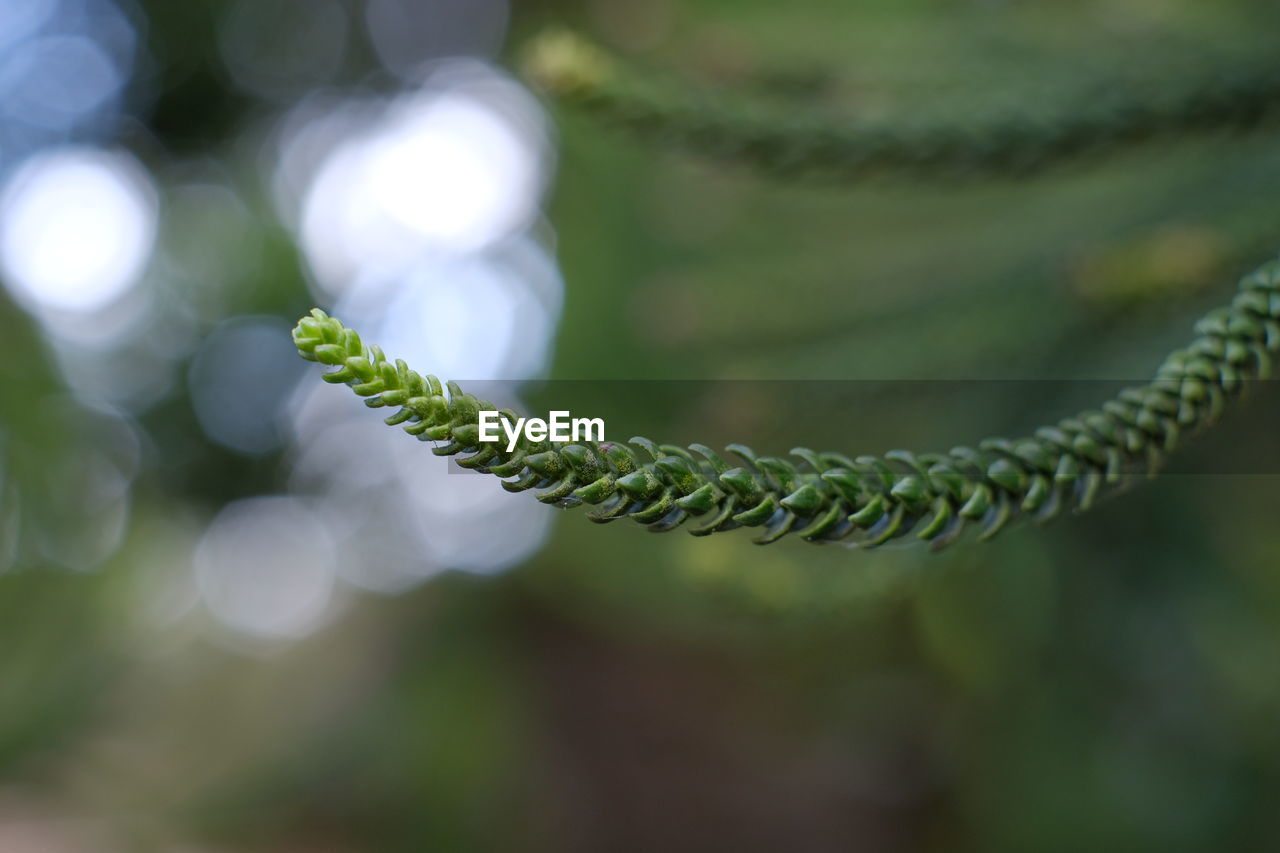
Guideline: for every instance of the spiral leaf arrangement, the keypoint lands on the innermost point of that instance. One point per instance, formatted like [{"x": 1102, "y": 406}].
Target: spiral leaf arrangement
[
  {"x": 584, "y": 76},
  {"x": 829, "y": 497}
]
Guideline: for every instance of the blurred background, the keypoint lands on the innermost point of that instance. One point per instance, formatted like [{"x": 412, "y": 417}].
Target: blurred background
[{"x": 239, "y": 614}]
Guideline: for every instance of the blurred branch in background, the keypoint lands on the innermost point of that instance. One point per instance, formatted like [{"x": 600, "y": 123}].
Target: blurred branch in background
[{"x": 790, "y": 143}]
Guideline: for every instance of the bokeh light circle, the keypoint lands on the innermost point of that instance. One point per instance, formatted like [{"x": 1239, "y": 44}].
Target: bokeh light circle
[
  {"x": 265, "y": 568},
  {"x": 77, "y": 227},
  {"x": 454, "y": 167}
]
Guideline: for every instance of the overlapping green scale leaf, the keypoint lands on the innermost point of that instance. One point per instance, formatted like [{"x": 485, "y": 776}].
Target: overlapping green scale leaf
[{"x": 830, "y": 497}]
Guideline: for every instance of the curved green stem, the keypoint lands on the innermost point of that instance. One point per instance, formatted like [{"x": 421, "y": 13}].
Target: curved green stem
[
  {"x": 830, "y": 497},
  {"x": 584, "y": 76}
]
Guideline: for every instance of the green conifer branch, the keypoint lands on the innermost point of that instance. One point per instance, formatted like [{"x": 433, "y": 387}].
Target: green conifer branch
[
  {"x": 586, "y": 77},
  {"x": 830, "y": 497}
]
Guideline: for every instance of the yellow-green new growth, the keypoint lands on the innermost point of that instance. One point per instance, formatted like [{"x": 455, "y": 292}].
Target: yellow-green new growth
[{"x": 830, "y": 497}]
